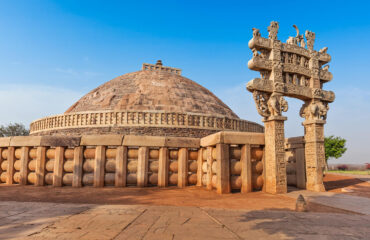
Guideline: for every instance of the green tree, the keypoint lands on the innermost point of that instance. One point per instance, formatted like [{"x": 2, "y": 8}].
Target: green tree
[
  {"x": 13, "y": 129},
  {"x": 334, "y": 147}
]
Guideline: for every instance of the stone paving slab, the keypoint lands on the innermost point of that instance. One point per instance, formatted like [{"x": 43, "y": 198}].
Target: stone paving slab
[
  {"x": 21, "y": 220},
  {"x": 351, "y": 203}
]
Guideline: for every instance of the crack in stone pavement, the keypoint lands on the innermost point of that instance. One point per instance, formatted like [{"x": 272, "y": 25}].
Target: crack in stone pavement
[
  {"x": 187, "y": 220},
  {"x": 58, "y": 219},
  {"x": 130, "y": 223},
  {"x": 154, "y": 222},
  {"x": 220, "y": 223},
  {"x": 13, "y": 215}
]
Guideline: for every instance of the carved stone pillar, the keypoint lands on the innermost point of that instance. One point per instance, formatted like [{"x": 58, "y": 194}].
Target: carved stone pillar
[
  {"x": 314, "y": 154},
  {"x": 275, "y": 166},
  {"x": 314, "y": 112}
]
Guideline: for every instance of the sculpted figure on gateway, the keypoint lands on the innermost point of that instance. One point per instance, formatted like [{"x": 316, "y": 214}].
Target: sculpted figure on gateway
[{"x": 291, "y": 69}]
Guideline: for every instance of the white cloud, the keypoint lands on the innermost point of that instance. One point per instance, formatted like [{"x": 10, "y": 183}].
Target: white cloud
[
  {"x": 348, "y": 117},
  {"x": 25, "y": 103}
]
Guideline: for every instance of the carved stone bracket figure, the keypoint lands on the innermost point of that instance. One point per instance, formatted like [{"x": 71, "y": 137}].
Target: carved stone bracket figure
[
  {"x": 273, "y": 30},
  {"x": 255, "y": 52},
  {"x": 277, "y": 104},
  {"x": 270, "y": 105},
  {"x": 261, "y": 98},
  {"x": 256, "y": 32},
  {"x": 310, "y": 36},
  {"x": 314, "y": 110}
]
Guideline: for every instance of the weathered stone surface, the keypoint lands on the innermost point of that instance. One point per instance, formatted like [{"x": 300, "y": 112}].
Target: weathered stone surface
[
  {"x": 275, "y": 165},
  {"x": 130, "y": 104},
  {"x": 182, "y": 142},
  {"x": 62, "y": 141},
  {"x": 33, "y": 220},
  {"x": 25, "y": 141},
  {"x": 229, "y": 137},
  {"x": 145, "y": 141},
  {"x": 4, "y": 141},
  {"x": 139, "y": 91},
  {"x": 107, "y": 140}
]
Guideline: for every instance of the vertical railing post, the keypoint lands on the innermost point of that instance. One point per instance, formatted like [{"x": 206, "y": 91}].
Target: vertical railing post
[
  {"x": 246, "y": 173},
  {"x": 78, "y": 155},
  {"x": 223, "y": 168},
  {"x": 99, "y": 169},
  {"x": 163, "y": 167},
  {"x": 58, "y": 167},
  {"x": 121, "y": 166}
]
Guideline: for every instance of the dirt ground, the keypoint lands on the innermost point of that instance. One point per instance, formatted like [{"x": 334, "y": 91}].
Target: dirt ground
[
  {"x": 335, "y": 183},
  {"x": 172, "y": 196}
]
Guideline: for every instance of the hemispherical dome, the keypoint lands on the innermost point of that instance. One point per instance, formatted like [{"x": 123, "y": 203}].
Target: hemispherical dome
[
  {"x": 152, "y": 90},
  {"x": 155, "y": 101}
]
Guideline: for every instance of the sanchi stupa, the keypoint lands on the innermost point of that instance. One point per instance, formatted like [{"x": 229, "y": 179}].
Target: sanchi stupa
[{"x": 155, "y": 127}]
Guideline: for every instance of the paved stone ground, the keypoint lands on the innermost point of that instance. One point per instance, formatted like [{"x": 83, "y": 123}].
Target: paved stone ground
[
  {"x": 33, "y": 220},
  {"x": 337, "y": 200}
]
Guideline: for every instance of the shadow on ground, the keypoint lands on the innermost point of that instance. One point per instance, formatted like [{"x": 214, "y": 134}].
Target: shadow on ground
[{"x": 308, "y": 225}]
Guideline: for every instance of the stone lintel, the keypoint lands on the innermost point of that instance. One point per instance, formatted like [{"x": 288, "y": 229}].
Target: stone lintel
[
  {"x": 106, "y": 140},
  {"x": 212, "y": 139},
  {"x": 144, "y": 141},
  {"x": 4, "y": 141},
  {"x": 156, "y": 141},
  {"x": 315, "y": 141},
  {"x": 294, "y": 145},
  {"x": 229, "y": 137},
  {"x": 182, "y": 142},
  {"x": 25, "y": 141},
  {"x": 275, "y": 118},
  {"x": 290, "y": 90},
  {"x": 295, "y": 142},
  {"x": 299, "y": 139},
  {"x": 317, "y": 121},
  {"x": 60, "y": 141}
]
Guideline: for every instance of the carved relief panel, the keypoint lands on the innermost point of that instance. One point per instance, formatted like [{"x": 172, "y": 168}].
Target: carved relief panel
[{"x": 296, "y": 67}]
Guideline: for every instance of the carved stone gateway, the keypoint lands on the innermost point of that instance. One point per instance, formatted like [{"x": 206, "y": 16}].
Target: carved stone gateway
[{"x": 292, "y": 69}]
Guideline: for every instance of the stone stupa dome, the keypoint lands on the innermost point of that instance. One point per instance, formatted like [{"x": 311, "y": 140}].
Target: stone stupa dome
[
  {"x": 153, "y": 91},
  {"x": 154, "y": 101}
]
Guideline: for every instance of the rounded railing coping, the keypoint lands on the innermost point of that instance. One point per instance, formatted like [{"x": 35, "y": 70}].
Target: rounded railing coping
[{"x": 137, "y": 119}]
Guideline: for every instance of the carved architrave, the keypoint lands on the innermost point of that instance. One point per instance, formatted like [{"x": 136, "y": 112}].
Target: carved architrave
[
  {"x": 296, "y": 64},
  {"x": 304, "y": 93}
]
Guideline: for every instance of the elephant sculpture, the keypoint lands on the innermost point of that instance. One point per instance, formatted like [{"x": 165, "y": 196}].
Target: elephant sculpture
[{"x": 276, "y": 104}]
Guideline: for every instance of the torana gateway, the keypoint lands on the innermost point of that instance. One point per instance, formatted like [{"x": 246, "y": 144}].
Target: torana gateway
[{"x": 155, "y": 127}]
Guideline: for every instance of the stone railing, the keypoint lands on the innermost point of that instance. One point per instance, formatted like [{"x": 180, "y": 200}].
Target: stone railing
[
  {"x": 232, "y": 161},
  {"x": 295, "y": 162},
  {"x": 142, "y": 119},
  {"x": 142, "y": 161}
]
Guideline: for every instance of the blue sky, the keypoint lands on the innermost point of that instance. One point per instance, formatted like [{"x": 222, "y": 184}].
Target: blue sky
[{"x": 53, "y": 52}]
